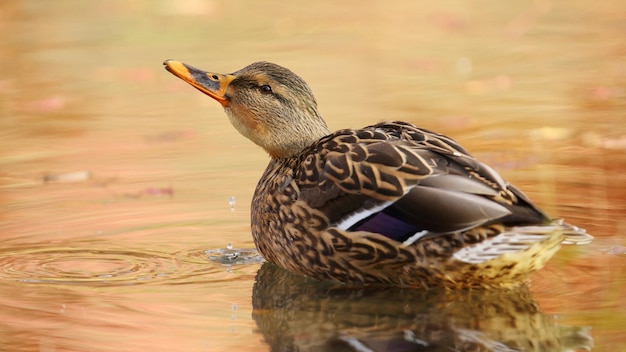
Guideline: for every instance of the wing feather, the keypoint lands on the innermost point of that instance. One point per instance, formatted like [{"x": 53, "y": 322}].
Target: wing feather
[{"x": 423, "y": 180}]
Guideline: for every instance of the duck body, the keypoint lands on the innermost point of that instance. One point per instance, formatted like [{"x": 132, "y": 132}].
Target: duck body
[
  {"x": 390, "y": 203},
  {"x": 395, "y": 204}
]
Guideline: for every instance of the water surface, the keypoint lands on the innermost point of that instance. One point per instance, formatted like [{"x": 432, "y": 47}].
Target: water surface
[{"x": 116, "y": 177}]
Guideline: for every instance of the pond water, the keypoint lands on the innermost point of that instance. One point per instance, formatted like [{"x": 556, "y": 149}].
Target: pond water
[{"x": 116, "y": 178}]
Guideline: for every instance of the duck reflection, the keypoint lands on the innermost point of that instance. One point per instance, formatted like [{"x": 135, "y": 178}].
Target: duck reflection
[{"x": 296, "y": 313}]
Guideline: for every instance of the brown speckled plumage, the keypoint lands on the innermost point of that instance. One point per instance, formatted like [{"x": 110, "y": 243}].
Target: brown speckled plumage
[{"x": 389, "y": 203}]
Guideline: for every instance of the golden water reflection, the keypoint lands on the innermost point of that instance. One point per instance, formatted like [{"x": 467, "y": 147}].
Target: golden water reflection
[
  {"x": 115, "y": 177},
  {"x": 295, "y": 313}
]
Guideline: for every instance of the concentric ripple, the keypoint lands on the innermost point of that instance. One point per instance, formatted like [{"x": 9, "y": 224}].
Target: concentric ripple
[
  {"x": 230, "y": 255},
  {"x": 104, "y": 267}
]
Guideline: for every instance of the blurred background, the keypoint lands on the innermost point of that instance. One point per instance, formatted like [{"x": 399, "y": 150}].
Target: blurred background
[{"x": 116, "y": 177}]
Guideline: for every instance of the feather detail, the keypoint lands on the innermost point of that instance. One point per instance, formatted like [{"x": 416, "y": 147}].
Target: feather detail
[
  {"x": 513, "y": 240},
  {"x": 348, "y": 221},
  {"x": 427, "y": 181},
  {"x": 573, "y": 234}
]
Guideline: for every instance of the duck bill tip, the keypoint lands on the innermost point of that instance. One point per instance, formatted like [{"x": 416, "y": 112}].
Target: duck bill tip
[{"x": 211, "y": 84}]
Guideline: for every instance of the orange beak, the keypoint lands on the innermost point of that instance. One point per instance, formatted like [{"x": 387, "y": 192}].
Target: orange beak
[{"x": 211, "y": 84}]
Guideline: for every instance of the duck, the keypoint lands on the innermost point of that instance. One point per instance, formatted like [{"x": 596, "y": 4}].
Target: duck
[{"x": 387, "y": 204}]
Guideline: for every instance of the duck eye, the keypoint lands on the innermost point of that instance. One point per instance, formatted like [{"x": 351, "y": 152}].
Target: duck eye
[{"x": 266, "y": 88}]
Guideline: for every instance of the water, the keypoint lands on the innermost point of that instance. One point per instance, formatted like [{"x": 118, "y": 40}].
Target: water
[{"x": 118, "y": 181}]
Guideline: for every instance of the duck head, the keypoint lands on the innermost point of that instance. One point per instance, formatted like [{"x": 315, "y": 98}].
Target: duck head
[{"x": 267, "y": 103}]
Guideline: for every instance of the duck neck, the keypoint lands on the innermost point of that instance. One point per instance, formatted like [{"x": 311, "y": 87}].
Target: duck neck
[{"x": 289, "y": 141}]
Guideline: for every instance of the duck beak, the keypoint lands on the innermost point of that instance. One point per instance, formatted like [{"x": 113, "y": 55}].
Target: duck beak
[{"x": 211, "y": 84}]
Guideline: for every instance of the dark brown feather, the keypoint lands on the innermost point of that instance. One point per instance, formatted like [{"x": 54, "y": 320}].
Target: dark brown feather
[{"x": 434, "y": 183}]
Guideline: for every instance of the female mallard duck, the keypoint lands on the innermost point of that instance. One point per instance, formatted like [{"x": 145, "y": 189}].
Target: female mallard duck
[{"x": 389, "y": 203}]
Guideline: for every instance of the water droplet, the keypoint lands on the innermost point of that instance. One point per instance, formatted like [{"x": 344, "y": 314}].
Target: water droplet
[
  {"x": 230, "y": 255},
  {"x": 231, "y": 203}
]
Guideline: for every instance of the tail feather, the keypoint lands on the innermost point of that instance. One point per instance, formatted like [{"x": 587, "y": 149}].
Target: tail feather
[
  {"x": 573, "y": 234},
  {"x": 519, "y": 240},
  {"x": 514, "y": 241}
]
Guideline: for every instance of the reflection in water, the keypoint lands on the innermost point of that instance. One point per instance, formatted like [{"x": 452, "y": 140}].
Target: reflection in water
[{"x": 295, "y": 313}]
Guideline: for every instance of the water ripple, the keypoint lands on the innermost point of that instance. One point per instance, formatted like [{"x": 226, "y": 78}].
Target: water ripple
[
  {"x": 230, "y": 255},
  {"x": 85, "y": 266}
]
